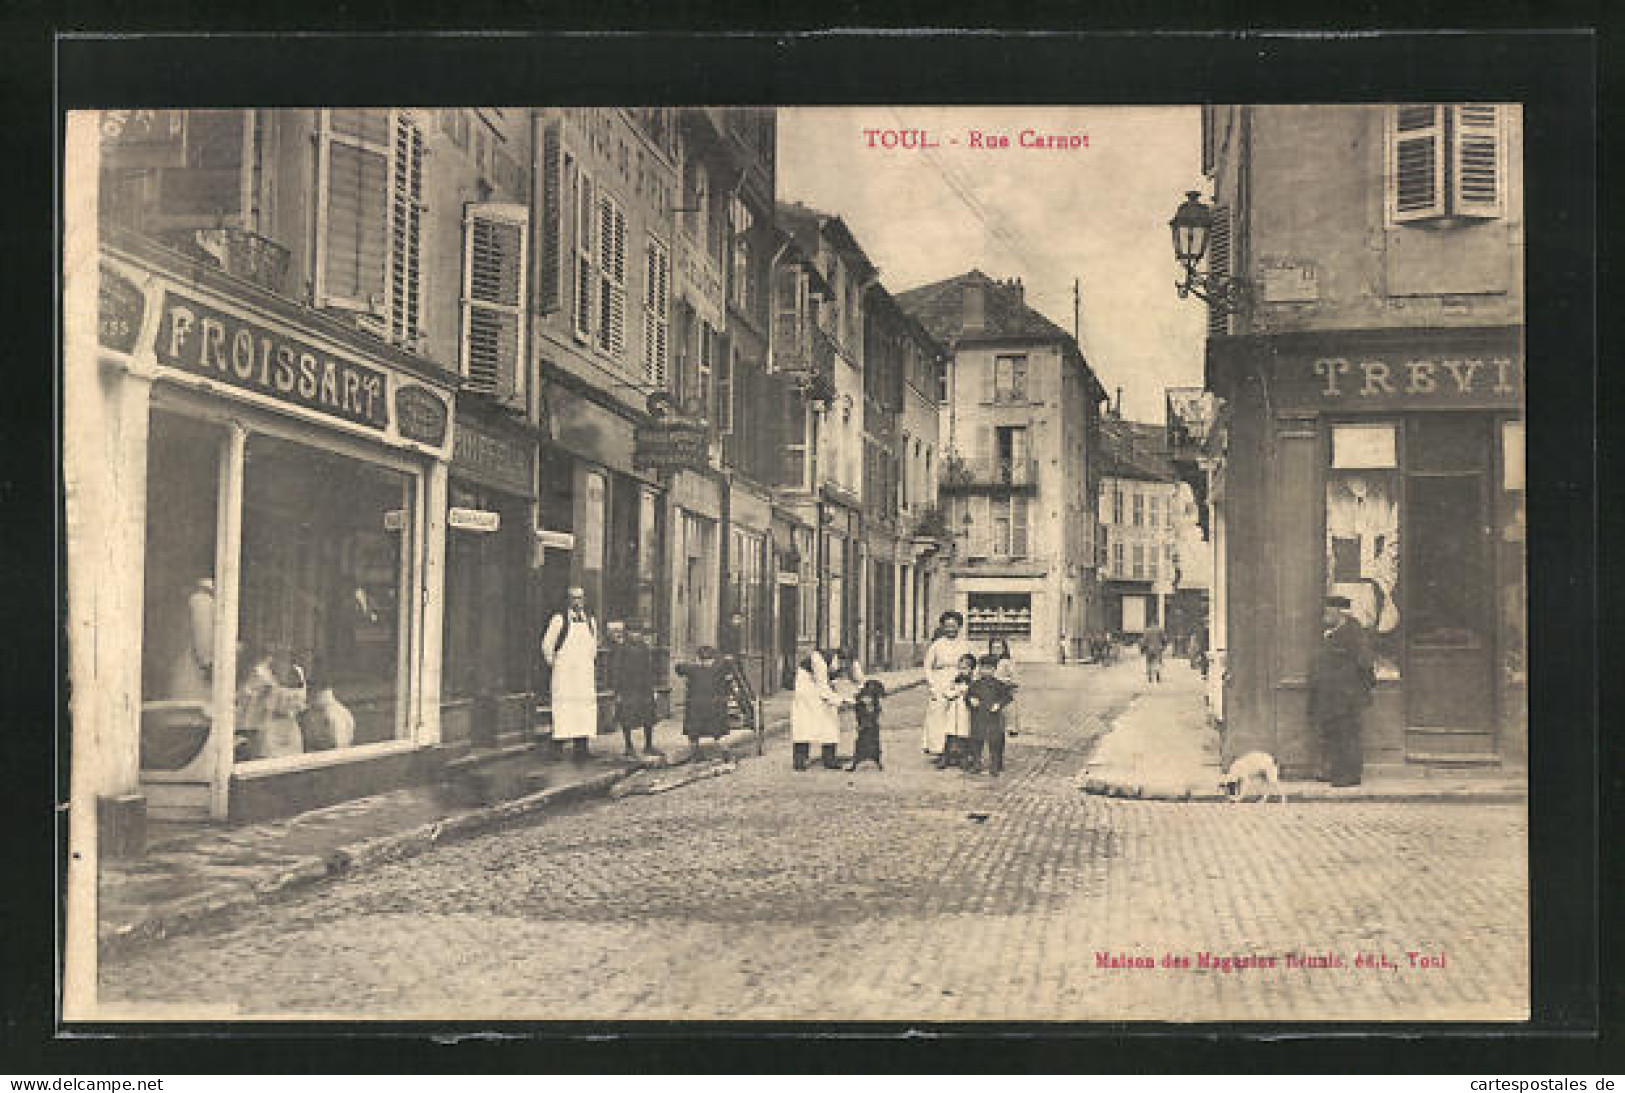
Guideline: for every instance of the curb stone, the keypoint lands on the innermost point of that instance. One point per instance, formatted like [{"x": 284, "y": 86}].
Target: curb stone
[
  {"x": 1102, "y": 788},
  {"x": 194, "y": 911}
]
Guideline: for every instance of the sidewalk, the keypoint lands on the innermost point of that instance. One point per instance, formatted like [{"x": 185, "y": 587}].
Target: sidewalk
[
  {"x": 196, "y": 873},
  {"x": 1163, "y": 748}
]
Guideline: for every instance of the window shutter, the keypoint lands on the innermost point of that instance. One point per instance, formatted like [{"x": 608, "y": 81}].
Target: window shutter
[
  {"x": 1476, "y": 159},
  {"x": 1218, "y": 265},
  {"x": 980, "y": 539},
  {"x": 611, "y": 276},
  {"x": 494, "y": 299},
  {"x": 1018, "y": 527},
  {"x": 1416, "y": 163},
  {"x": 406, "y": 232},
  {"x": 352, "y": 210},
  {"x": 586, "y": 252},
  {"x": 656, "y": 312},
  {"x": 725, "y": 390},
  {"x": 988, "y": 380},
  {"x": 552, "y": 258}
]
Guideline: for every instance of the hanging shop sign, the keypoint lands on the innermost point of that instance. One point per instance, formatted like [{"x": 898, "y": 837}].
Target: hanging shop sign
[
  {"x": 672, "y": 445},
  {"x": 206, "y": 341},
  {"x": 473, "y": 519},
  {"x": 492, "y": 459},
  {"x": 119, "y": 308},
  {"x": 420, "y": 415}
]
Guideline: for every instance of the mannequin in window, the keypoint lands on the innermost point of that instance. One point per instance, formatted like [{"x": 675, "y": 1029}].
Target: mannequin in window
[{"x": 191, "y": 675}]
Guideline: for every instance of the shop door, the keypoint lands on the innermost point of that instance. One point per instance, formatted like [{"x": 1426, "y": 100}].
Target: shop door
[
  {"x": 789, "y": 628},
  {"x": 1449, "y": 686}
]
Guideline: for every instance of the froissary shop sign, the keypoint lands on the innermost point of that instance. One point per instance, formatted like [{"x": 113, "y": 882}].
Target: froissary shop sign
[
  {"x": 1387, "y": 380},
  {"x": 206, "y": 341}
]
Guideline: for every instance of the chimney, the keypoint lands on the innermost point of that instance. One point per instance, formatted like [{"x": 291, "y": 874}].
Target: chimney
[
  {"x": 1020, "y": 291},
  {"x": 973, "y": 308}
]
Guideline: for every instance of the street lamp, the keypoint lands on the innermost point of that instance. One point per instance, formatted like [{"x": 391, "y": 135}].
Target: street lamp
[{"x": 1192, "y": 227}]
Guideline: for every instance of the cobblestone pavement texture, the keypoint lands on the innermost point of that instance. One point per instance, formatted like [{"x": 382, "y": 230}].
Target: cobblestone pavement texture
[{"x": 904, "y": 895}]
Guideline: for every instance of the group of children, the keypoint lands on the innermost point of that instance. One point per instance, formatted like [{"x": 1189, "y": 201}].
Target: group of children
[{"x": 980, "y": 700}]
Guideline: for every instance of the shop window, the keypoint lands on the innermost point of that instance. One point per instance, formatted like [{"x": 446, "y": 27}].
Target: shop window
[
  {"x": 1007, "y": 615},
  {"x": 1447, "y": 459},
  {"x": 1511, "y": 544},
  {"x": 326, "y": 557},
  {"x": 1363, "y": 560},
  {"x": 178, "y": 646}
]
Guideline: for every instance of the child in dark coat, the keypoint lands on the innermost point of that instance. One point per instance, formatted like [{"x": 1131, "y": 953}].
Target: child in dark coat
[
  {"x": 868, "y": 712},
  {"x": 705, "y": 703},
  {"x": 986, "y": 698}
]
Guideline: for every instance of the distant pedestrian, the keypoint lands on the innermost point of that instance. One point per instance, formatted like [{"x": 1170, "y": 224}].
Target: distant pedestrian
[
  {"x": 868, "y": 715},
  {"x": 705, "y": 699},
  {"x": 815, "y": 709},
  {"x": 570, "y": 647},
  {"x": 1340, "y": 682},
  {"x": 1153, "y": 644},
  {"x": 631, "y": 680},
  {"x": 987, "y": 699},
  {"x": 1199, "y": 650},
  {"x": 941, "y": 666}
]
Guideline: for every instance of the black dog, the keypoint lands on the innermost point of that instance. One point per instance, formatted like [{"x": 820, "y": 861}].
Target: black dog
[{"x": 868, "y": 711}]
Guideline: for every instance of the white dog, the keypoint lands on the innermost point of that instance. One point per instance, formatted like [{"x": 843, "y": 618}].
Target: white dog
[{"x": 1256, "y": 768}]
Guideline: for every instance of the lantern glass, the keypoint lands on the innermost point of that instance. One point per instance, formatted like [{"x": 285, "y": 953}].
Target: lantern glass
[{"x": 1191, "y": 225}]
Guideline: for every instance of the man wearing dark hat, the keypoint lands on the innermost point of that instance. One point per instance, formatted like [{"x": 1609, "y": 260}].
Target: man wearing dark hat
[{"x": 1340, "y": 683}]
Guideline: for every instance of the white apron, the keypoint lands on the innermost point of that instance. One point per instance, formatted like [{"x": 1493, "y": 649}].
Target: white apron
[
  {"x": 815, "y": 712},
  {"x": 942, "y": 715},
  {"x": 574, "y": 692}
]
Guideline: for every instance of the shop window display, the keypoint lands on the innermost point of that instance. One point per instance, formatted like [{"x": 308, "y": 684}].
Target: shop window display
[
  {"x": 1362, "y": 535},
  {"x": 322, "y": 621},
  {"x": 178, "y": 648}
]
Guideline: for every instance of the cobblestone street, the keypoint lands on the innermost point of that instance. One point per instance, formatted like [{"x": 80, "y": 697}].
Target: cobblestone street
[{"x": 909, "y": 894}]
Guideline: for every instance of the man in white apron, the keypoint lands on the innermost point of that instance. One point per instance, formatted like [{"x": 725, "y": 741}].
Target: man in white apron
[{"x": 570, "y": 648}]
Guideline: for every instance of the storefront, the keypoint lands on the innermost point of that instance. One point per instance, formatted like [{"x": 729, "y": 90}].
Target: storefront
[
  {"x": 488, "y": 676},
  {"x": 1386, "y": 467},
  {"x": 751, "y": 580},
  {"x": 841, "y": 558},
  {"x": 696, "y": 580},
  {"x": 289, "y": 480},
  {"x": 602, "y": 519}
]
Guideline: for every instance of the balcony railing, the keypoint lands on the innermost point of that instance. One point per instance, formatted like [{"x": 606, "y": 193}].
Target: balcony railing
[{"x": 959, "y": 473}]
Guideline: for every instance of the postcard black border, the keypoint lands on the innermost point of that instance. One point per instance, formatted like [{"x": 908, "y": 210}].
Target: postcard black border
[{"x": 1552, "y": 72}]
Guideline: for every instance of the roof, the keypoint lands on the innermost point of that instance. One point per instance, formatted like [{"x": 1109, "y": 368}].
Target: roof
[
  {"x": 803, "y": 223},
  {"x": 940, "y": 309},
  {"x": 1134, "y": 449}
]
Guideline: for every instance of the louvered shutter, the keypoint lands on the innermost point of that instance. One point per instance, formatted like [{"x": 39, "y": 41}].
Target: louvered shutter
[
  {"x": 980, "y": 539},
  {"x": 1018, "y": 527},
  {"x": 352, "y": 230},
  {"x": 617, "y": 341},
  {"x": 611, "y": 276},
  {"x": 1218, "y": 265},
  {"x": 493, "y": 346},
  {"x": 656, "y": 312},
  {"x": 1476, "y": 151},
  {"x": 1416, "y": 163},
  {"x": 406, "y": 234},
  {"x": 551, "y": 274},
  {"x": 586, "y": 277}
]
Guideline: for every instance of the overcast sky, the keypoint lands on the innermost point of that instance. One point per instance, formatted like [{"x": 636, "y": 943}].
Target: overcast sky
[{"x": 1097, "y": 213}]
